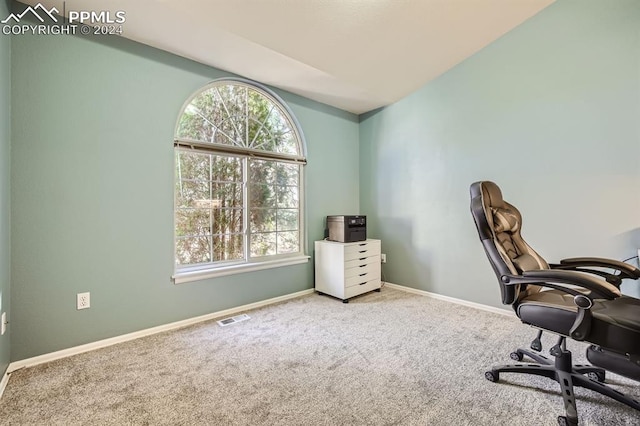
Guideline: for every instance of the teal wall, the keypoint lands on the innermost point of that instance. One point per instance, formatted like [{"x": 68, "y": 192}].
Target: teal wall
[
  {"x": 92, "y": 164},
  {"x": 5, "y": 188},
  {"x": 550, "y": 113}
]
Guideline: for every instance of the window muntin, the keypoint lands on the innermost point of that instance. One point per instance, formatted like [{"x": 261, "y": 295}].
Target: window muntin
[
  {"x": 238, "y": 186},
  {"x": 239, "y": 115}
]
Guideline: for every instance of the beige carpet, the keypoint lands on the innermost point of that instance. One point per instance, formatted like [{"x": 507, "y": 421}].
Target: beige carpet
[{"x": 389, "y": 358}]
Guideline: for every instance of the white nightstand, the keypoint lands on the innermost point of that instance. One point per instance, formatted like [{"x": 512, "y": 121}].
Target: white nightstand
[{"x": 345, "y": 270}]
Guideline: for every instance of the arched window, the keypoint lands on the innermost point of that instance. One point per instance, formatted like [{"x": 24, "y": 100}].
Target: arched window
[{"x": 239, "y": 158}]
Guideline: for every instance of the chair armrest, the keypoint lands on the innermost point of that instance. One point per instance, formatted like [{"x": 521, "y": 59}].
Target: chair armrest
[
  {"x": 610, "y": 277},
  {"x": 626, "y": 270},
  {"x": 550, "y": 278}
]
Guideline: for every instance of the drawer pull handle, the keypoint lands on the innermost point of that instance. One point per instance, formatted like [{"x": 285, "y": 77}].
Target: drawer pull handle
[
  {"x": 362, "y": 258},
  {"x": 362, "y": 266},
  {"x": 362, "y": 275},
  {"x": 362, "y": 283},
  {"x": 363, "y": 251},
  {"x": 363, "y": 244}
]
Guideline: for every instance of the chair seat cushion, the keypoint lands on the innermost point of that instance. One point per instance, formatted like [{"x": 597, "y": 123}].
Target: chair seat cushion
[{"x": 615, "y": 324}]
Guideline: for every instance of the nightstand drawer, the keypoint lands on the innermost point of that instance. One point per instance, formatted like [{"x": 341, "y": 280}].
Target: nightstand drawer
[
  {"x": 362, "y": 252},
  {"x": 362, "y": 288},
  {"x": 372, "y": 247},
  {"x": 361, "y": 261},
  {"x": 371, "y": 274},
  {"x": 367, "y": 268}
]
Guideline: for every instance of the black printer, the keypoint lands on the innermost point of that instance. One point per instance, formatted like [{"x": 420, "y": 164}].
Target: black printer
[{"x": 347, "y": 229}]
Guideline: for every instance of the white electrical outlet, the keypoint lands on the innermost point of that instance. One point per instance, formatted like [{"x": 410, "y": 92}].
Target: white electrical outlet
[
  {"x": 383, "y": 258},
  {"x": 83, "y": 300},
  {"x": 3, "y": 323}
]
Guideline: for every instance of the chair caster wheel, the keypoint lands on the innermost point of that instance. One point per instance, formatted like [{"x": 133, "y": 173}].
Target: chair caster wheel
[
  {"x": 516, "y": 356},
  {"x": 491, "y": 376},
  {"x": 565, "y": 421},
  {"x": 598, "y": 377}
]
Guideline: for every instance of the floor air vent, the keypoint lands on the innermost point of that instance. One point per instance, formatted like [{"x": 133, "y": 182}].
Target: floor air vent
[{"x": 232, "y": 320}]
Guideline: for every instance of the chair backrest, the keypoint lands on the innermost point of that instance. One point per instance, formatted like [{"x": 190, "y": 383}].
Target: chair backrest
[{"x": 499, "y": 224}]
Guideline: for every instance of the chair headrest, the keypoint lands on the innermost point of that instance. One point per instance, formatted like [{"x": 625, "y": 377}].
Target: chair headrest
[
  {"x": 504, "y": 220},
  {"x": 493, "y": 194}
]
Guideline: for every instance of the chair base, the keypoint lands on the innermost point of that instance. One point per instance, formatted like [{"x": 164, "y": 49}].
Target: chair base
[{"x": 566, "y": 374}]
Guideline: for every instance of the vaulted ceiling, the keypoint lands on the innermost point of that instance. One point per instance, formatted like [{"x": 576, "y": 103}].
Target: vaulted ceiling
[{"x": 356, "y": 55}]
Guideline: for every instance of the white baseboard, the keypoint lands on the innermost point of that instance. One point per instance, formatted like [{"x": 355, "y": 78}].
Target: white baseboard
[
  {"x": 41, "y": 359},
  {"x": 3, "y": 382},
  {"x": 452, "y": 300}
]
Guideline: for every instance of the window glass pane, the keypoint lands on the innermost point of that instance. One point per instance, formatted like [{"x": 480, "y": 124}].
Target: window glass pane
[
  {"x": 234, "y": 98},
  {"x": 227, "y": 133},
  {"x": 287, "y": 242},
  {"x": 190, "y": 222},
  {"x": 224, "y": 133},
  {"x": 280, "y": 129},
  {"x": 261, "y": 139},
  {"x": 193, "y": 165},
  {"x": 263, "y": 244},
  {"x": 226, "y": 195},
  {"x": 208, "y": 200},
  {"x": 263, "y": 220},
  {"x": 226, "y": 168},
  {"x": 192, "y": 193},
  {"x": 233, "y": 108},
  {"x": 266, "y": 113},
  {"x": 287, "y": 196},
  {"x": 262, "y": 171},
  {"x": 227, "y": 221},
  {"x": 286, "y": 142},
  {"x": 287, "y": 174},
  {"x": 190, "y": 251},
  {"x": 262, "y": 196},
  {"x": 227, "y": 247},
  {"x": 259, "y": 107},
  {"x": 287, "y": 219},
  {"x": 198, "y": 117}
]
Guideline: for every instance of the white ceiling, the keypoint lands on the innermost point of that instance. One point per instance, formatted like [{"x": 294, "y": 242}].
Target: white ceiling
[{"x": 356, "y": 55}]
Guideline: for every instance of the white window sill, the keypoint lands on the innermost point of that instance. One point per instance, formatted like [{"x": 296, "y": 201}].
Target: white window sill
[{"x": 220, "y": 271}]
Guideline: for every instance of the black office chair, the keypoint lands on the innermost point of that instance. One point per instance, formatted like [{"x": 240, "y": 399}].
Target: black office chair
[{"x": 570, "y": 299}]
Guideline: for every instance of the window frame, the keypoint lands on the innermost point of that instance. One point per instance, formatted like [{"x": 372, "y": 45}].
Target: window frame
[{"x": 248, "y": 263}]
